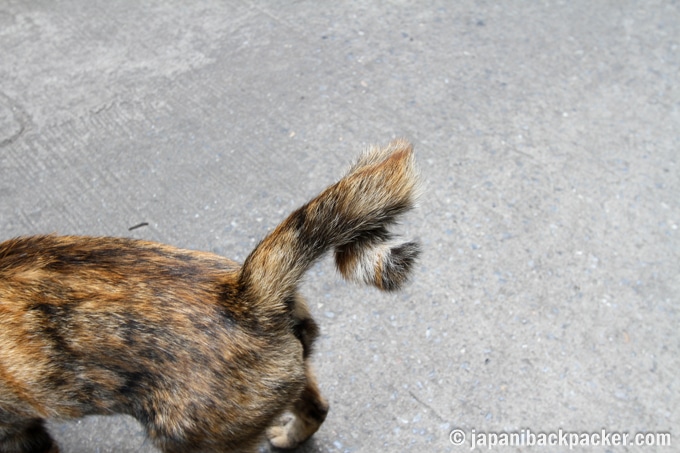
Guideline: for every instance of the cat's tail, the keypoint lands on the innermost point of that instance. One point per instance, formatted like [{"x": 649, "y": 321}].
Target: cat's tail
[{"x": 351, "y": 217}]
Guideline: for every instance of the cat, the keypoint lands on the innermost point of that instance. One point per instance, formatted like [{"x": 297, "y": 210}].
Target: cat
[{"x": 207, "y": 354}]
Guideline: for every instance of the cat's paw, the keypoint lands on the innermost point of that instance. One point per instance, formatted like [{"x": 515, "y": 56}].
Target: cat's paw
[{"x": 284, "y": 434}]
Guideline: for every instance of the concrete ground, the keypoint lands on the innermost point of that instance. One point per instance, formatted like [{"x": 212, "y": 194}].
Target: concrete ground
[{"x": 548, "y": 134}]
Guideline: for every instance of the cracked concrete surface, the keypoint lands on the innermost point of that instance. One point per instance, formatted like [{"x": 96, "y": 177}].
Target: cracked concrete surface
[{"x": 548, "y": 137}]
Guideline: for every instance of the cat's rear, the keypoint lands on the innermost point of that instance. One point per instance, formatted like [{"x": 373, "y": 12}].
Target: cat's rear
[{"x": 205, "y": 353}]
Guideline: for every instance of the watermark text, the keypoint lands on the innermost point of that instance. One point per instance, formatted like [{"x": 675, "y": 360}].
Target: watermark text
[{"x": 560, "y": 438}]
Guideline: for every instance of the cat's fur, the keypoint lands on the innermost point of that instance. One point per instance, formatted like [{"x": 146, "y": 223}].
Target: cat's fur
[{"x": 205, "y": 353}]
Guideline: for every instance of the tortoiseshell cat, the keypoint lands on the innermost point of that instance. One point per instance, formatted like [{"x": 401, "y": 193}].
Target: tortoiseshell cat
[{"x": 205, "y": 353}]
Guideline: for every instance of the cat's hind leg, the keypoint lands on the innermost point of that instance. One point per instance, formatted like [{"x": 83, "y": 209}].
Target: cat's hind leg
[
  {"x": 304, "y": 418},
  {"x": 26, "y": 436}
]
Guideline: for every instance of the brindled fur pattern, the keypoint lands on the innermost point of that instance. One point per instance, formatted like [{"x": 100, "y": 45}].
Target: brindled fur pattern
[{"x": 206, "y": 354}]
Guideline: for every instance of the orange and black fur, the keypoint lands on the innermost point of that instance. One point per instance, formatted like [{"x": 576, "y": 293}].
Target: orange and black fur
[{"x": 205, "y": 353}]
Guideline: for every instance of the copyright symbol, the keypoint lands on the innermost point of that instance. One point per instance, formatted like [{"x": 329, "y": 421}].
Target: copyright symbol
[{"x": 457, "y": 437}]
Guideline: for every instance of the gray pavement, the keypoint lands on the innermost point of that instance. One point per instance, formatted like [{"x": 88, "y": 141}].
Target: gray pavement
[{"x": 548, "y": 134}]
